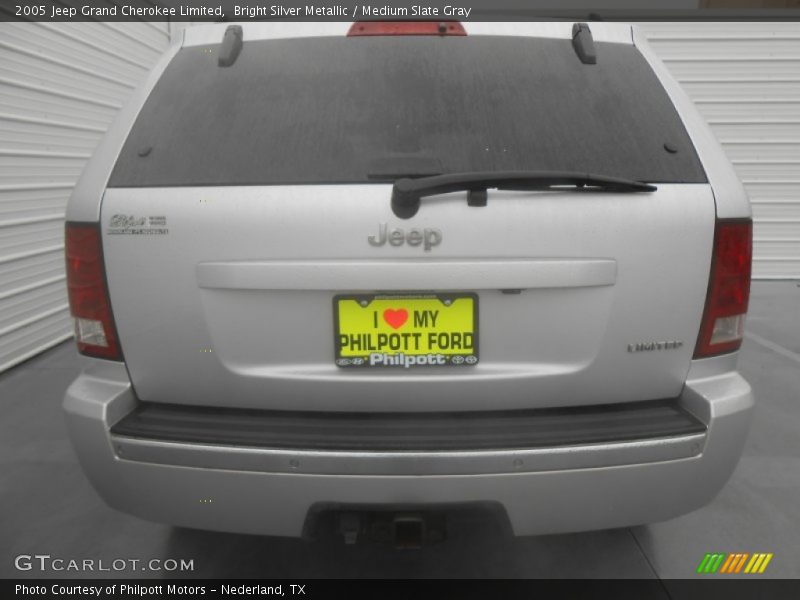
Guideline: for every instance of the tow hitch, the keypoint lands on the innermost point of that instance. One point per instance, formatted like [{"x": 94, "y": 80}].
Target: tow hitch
[{"x": 404, "y": 530}]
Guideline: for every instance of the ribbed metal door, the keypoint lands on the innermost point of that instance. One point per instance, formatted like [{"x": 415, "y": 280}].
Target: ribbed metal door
[
  {"x": 60, "y": 86},
  {"x": 745, "y": 79}
]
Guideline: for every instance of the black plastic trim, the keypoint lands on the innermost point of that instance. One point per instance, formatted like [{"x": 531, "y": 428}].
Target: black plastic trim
[{"x": 392, "y": 432}]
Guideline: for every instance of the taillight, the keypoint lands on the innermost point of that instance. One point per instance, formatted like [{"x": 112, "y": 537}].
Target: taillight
[
  {"x": 406, "y": 28},
  {"x": 95, "y": 333},
  {"x": 722, "y": 327}
]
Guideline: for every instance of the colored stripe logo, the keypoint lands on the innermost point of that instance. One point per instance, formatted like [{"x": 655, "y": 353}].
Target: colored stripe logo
[{"x": 734, "y": 563}]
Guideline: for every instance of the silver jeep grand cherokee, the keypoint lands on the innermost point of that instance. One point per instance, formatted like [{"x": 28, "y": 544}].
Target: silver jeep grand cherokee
[{"x": 376, "y": 268}]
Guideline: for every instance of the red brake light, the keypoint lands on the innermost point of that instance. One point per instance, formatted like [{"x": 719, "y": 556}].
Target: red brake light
[
  {"x": 89, "y": 305},
  {"x": 722, "y": 327},
  {"x": 406, "y": 28}
]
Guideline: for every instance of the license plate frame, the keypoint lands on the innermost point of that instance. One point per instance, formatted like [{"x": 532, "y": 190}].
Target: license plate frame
[{"x": 407, "y": 356}]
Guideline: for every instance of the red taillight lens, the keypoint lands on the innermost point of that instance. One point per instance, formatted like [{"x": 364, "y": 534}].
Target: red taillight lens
[
  {"x": 722, "y": 328},
  {"x": 95, "y": 333},
  {"x": 406, "y": 28}
]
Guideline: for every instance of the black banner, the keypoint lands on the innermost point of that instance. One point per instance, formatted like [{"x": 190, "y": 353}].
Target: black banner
[
  {"x": 633, "y": 589},
  {"x": 354, "y": 10}
]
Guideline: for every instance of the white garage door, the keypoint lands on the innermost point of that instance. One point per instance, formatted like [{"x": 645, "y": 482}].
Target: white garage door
[
  {"x": 60, "y": 86},
  {"x": 745, "y": 79}
]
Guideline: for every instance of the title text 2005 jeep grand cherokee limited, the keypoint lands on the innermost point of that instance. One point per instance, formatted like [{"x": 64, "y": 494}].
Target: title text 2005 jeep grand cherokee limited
[{"x": 375, "y": 268}]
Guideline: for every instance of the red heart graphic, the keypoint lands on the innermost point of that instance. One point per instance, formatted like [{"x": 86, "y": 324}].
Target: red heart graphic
[{"x": 395, "y": 318}]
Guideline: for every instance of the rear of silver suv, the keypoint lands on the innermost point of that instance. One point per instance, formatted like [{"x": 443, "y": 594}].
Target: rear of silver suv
[{"x": 409, "y": 265}]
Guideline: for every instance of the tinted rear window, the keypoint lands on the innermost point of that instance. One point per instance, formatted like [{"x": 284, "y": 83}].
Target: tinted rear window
[{"x": 327, "y": 110}]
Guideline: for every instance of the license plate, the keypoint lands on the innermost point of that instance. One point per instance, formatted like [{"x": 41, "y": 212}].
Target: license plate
[{"x": 405, "y": 331}]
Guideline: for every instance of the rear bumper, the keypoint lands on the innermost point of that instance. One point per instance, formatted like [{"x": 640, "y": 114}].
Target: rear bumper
[{"x": 543, "y": 490}]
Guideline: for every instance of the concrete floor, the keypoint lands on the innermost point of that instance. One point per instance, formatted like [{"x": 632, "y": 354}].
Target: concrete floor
[{"x": 49, "y": 507}]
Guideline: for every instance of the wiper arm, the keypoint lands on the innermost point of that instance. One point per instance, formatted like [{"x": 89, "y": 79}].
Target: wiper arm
[{"x": 407, "y": 193}]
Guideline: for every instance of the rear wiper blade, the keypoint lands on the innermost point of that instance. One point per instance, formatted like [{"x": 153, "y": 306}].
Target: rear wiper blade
[
  {"x": 396, "y": 166},
  {"x": 407, "y": 193},
  {"x": 392, "y": 175}
]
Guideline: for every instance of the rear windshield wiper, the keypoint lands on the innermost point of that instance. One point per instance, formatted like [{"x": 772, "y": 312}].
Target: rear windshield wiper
[
  {"x": 399, "y": 165},
  {"x": 407, "y": 193}
]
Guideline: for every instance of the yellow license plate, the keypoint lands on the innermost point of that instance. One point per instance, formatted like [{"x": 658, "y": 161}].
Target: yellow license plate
[{"x": 425, "y": 330}]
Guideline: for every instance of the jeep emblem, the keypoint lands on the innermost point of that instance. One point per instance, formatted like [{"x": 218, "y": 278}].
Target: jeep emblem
[{"x": 427, "y": 238}]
